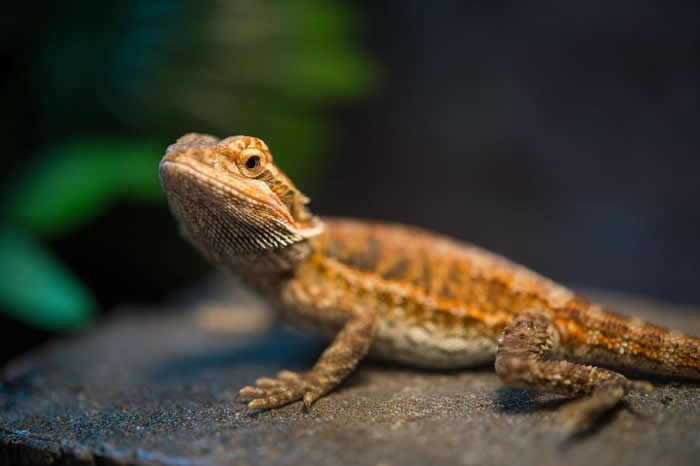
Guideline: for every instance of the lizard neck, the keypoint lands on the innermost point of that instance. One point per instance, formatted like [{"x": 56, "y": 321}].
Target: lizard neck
[
  {"x": 280, "y": 261},
  {"x": 268, "y": 271}
]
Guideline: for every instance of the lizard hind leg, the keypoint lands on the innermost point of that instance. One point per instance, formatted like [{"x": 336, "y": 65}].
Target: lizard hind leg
[
  {"x": 334, "y": 365},
  {"x": 525, "y": 359}
]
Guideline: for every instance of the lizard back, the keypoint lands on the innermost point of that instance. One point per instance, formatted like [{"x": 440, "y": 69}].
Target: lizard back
[
  {"x": 442, "y": 303},
  {"x": 445, "y": 303}
]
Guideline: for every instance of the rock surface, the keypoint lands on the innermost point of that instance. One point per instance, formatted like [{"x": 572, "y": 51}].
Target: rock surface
[{"x": 160, "y": 389}]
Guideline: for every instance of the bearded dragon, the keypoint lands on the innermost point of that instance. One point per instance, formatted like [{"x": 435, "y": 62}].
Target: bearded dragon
[{"x": 400, "y": 293}]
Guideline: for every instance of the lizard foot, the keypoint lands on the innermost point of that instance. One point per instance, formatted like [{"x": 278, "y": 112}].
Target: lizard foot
[
  {"x": 582, "y": 413},
  {"x": 525, "y": 359},
  {"x": 336, "y": 362},
  {"x": 286, "y": 388}
]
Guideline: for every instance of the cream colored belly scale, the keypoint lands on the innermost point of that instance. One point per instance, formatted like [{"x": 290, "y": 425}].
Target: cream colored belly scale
[{"x": 428, "y": 347}]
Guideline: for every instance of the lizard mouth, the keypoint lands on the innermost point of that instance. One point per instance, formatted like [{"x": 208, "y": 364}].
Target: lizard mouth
[{"x": 192, "y": 178}]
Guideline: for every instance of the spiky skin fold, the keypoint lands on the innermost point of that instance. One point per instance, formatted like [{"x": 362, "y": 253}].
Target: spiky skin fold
[{"x": 401, "y": 293}]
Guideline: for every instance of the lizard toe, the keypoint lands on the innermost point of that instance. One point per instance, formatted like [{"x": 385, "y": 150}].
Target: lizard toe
[
  {"x": 288, "y": 376},
  {"x": 641, "y": 387},
  {"x": 266, "y": 382},
  {"x": 273, "y": 393},
  {"x": 277, "y": 398},
  {"x": 260, "y": 392},
  {"x": 583, "y": 413}
]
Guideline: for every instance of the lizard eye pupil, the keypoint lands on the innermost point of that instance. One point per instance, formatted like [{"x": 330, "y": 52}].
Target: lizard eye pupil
[{"x": 252, "y": 163}]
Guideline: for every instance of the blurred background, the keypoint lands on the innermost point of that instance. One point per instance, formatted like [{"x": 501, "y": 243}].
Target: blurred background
[{"x": 564, "y": 136}]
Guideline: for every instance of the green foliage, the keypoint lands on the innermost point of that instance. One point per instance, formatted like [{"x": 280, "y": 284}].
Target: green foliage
[
  {"x": 270, "y": 69},
  {"x": 153, "y": 70},
  {"x": 38, "y": 290},
  {"x": 73, "y": 183}
]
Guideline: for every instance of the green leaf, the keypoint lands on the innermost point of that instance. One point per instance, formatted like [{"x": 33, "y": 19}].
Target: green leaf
[
  {"x": 36, "y": 289},
  {"x": 73, "y": 183}
]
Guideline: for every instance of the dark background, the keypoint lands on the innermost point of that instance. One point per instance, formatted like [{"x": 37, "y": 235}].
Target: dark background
[{"x": 564, "y": 136}]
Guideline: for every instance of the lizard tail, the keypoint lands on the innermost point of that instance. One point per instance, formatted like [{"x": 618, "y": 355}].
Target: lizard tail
[{"x": 638, "y": 345}]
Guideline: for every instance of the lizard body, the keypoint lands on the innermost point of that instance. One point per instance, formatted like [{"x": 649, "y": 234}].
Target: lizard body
[{"x": 400, "y": 293}]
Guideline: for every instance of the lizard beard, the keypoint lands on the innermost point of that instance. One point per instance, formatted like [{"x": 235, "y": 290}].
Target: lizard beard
[{"x": 228, "y": 230}]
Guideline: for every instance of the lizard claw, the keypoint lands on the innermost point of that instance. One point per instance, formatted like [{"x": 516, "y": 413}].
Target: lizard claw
[{"x": 310, "y": 396}]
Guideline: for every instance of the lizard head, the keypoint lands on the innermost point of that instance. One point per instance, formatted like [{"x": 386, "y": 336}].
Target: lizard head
[{"x": 230, "y": 199}]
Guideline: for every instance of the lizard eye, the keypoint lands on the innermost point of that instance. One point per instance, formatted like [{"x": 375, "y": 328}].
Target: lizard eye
[{"x": 252, "y": 164}]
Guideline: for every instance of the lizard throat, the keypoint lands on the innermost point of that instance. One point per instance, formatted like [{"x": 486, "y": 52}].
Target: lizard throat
[{"x": 231, "y": 228}]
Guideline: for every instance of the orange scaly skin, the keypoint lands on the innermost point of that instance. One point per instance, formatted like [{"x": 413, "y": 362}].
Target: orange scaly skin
[{"x": 400, "y": 293}]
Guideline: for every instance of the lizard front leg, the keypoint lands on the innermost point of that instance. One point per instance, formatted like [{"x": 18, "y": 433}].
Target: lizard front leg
[
  {"x": 334, "y": 365},
  {"x": 524, "y": 359}
]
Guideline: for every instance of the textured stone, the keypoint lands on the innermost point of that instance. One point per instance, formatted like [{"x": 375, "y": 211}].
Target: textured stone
[{"x": 157, "y": 388}]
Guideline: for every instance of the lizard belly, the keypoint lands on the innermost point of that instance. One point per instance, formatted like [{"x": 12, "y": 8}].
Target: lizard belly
[{"x": 426, "y": 347}]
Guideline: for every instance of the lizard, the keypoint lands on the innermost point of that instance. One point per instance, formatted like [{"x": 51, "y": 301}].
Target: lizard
[{"x": 401, "y": 293}]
